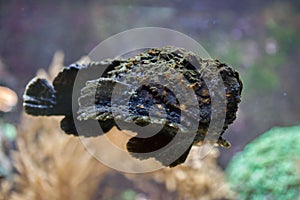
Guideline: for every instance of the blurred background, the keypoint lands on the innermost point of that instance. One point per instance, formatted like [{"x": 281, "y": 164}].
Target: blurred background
[{"x": 260, "y": 39}]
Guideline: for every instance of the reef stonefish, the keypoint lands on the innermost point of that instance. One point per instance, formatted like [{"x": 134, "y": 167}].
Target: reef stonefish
[{"x": 95, "y": 99}]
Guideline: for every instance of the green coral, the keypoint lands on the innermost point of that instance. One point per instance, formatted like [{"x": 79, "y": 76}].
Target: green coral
[{"x": 267, "y": 167}]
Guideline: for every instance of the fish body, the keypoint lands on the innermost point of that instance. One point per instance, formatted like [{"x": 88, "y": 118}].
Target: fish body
[{"x": 150, "y": 88}]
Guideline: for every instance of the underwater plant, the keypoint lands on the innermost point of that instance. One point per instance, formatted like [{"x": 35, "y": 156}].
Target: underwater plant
[{"x": 267, "y": 167}]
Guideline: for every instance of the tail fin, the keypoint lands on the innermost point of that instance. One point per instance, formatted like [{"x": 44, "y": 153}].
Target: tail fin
[{"x": 39, "y": 97}]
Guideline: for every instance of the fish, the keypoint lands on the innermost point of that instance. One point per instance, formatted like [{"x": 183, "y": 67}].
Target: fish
[{"x": 161, "y": 88}]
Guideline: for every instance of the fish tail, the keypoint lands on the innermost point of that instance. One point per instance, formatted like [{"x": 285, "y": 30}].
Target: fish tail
[{"x": 39, "y": 98}]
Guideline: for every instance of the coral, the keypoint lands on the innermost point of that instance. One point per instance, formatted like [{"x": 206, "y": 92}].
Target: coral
[
  {"x": 8, "y": 99},
  {"x": 267, "y": 167},
  {"x": 196, "y": 179},
  {"x": 52, "y": 165}
]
